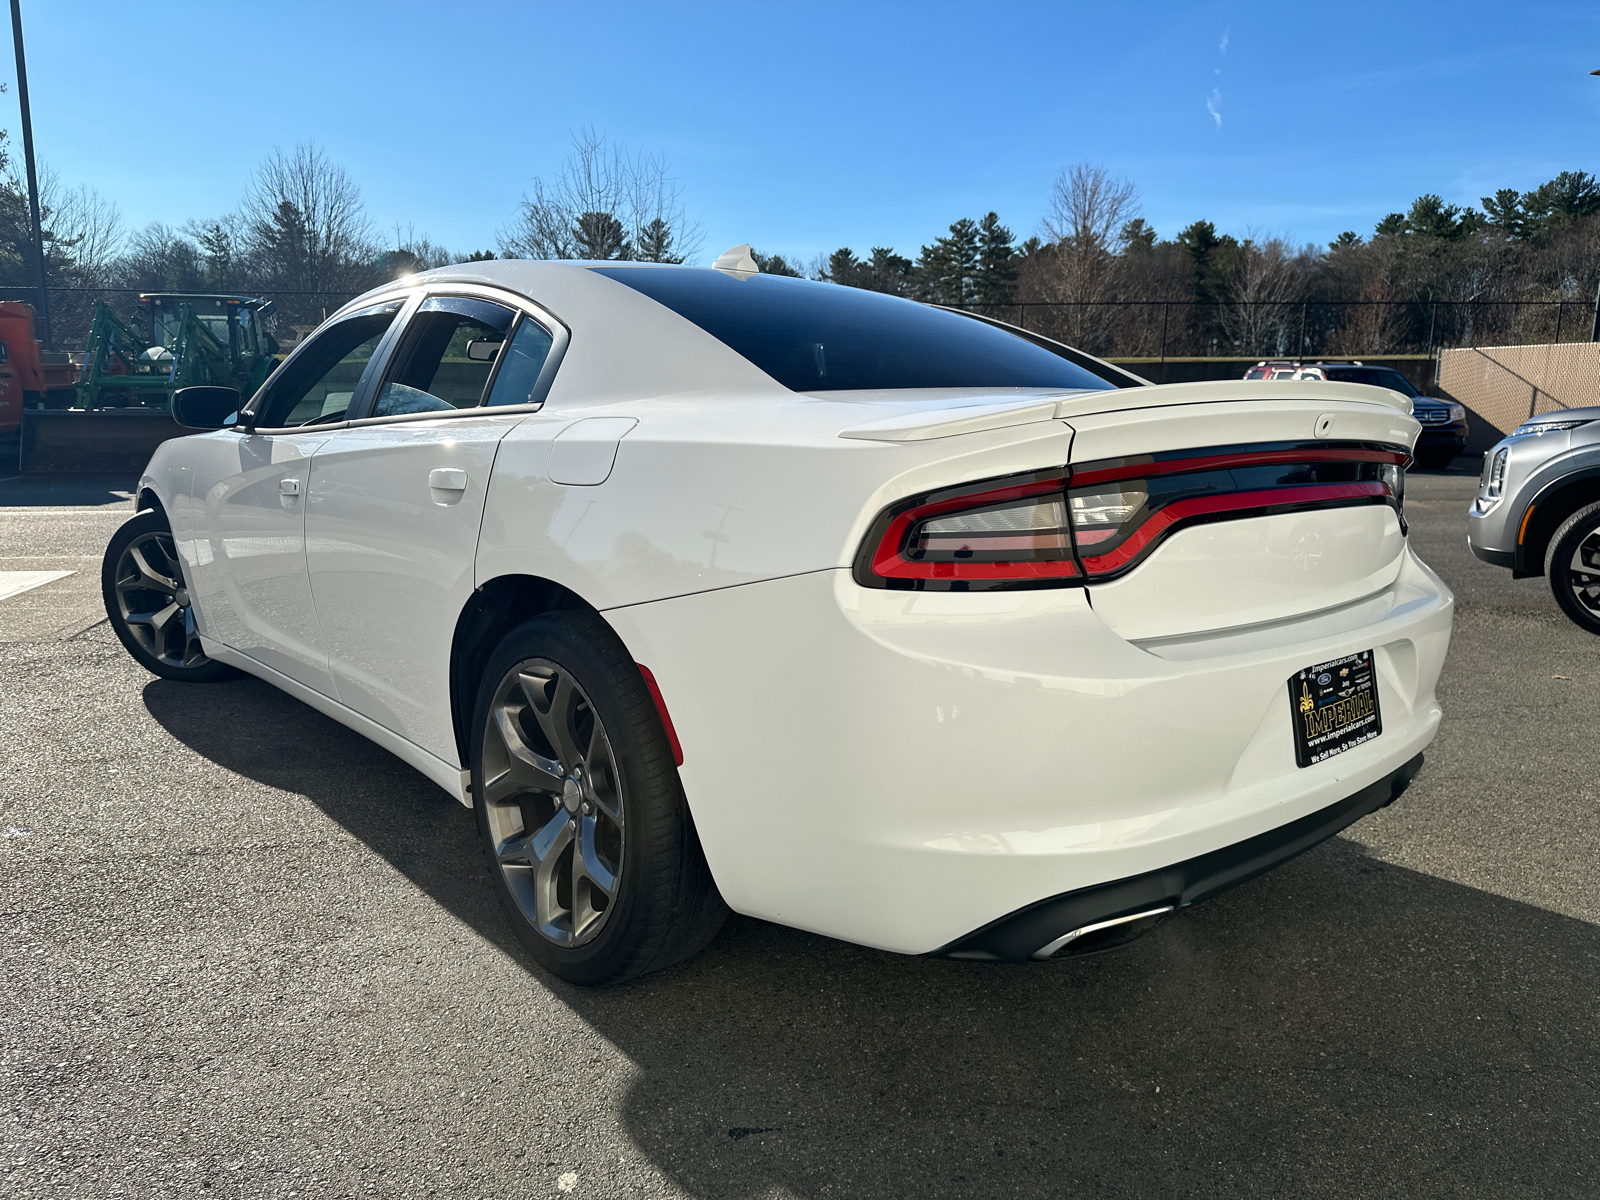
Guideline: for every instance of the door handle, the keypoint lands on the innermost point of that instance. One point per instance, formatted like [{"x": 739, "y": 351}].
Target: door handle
[
  {"x": 448, "y": 479},
  {"x": 288, "y": 487}
]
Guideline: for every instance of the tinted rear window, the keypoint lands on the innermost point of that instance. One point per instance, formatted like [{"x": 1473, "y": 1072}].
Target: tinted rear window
[{"x": 823, "y": 337}]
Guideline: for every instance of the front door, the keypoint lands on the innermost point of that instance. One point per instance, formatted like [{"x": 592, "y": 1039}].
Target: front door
[
  {"x": 243, "y": 534},
  {"x": 393, "y": 515}
]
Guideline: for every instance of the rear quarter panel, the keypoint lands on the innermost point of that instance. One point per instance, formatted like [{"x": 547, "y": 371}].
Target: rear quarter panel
[{"x": 719, "y": 492}]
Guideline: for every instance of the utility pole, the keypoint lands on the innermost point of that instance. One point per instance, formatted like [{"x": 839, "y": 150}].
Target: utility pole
[{"x": 33, "y": 174}]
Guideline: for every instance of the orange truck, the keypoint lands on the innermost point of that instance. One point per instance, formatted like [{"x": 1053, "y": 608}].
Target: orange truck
[{"x": 30, "y": 376}]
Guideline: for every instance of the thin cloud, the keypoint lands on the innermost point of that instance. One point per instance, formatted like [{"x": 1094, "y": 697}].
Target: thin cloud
[{"x": 1214, "y": 100}]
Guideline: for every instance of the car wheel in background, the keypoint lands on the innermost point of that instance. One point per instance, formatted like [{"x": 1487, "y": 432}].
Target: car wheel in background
[
  {"x": 1573, "y": 566},
  {"x": 583, "y": 820},
  {"x": 141, "y": 581}
]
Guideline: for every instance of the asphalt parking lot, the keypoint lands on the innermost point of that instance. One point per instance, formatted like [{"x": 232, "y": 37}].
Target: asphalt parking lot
[{"x": 246, "y": 953}]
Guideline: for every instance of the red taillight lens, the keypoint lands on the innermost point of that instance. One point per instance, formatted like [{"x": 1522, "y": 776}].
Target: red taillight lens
[
  {"x": 973, "y": 538},
  {"x": 1034, "y": 531},
  {"x": 1121, "y": 511}
]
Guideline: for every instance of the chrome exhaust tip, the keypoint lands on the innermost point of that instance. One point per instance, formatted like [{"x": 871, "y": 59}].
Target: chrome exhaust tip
[{"x": 1124, "y": 932}]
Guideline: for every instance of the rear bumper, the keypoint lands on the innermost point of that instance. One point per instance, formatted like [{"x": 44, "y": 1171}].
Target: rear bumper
[
  {"x": 901, "y": 769},
  {"x": 1023, "y": 934}
]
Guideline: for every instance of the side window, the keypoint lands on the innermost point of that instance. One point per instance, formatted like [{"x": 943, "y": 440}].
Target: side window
[
  {"x": 524, "y": 359},
  {"x": 445, "y": 358},
  {"x": 318, "y": 385}
]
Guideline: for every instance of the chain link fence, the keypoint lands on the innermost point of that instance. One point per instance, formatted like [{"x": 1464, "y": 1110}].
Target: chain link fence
[
  {"x": 1162, "y": 329},
  {"x": 1149, "y": 330}
]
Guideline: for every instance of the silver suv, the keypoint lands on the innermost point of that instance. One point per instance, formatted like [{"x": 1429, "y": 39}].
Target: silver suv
[{"x": 1538, "y": 508}]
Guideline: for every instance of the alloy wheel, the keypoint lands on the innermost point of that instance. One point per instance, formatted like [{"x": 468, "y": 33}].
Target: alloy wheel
[
  {"x": 1583, "y": 571},
  {"x": 154, "y": 603},
  {"x": 553, "y": 801}
]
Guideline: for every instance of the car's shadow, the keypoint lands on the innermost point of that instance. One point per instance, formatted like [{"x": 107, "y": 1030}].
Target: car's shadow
[{"x": 1340, "y": 1027}]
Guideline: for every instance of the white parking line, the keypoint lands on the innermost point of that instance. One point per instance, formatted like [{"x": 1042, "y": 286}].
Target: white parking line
[{"x": 14, "y": 583}]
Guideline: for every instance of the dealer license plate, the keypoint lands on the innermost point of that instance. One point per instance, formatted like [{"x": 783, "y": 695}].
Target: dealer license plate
[{"x": 1334, "y": 706}]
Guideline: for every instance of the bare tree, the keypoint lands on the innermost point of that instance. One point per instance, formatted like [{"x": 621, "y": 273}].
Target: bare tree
[
  {"x": 604, "y": 202},
  {"x": 85, "y": 225},
  {"x": 1263, "y": 285},
  {"x": 1089, "y": 207},
  {"x": 305, "y": 225},
  {"x": 412, "y": 252},
  {"x": 161, "y": 259}
]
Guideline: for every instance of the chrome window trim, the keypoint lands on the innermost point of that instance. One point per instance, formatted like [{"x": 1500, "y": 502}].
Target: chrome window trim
[{"x": 412, "y": 296}]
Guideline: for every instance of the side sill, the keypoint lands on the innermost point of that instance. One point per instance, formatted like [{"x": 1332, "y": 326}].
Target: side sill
[
  {"x": 1021, "y": 935},
  {"x": 449, "y": 776}
]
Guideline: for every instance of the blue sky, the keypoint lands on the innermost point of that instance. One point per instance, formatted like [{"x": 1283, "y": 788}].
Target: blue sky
[{"x": 804, "y": 127}]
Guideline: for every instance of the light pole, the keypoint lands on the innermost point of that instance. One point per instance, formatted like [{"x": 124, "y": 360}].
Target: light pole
[{"x": 33, "y": 175}]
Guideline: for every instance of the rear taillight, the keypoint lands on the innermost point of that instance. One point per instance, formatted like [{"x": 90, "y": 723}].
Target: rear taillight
[
  {"x": 1003, "y": 533},
  {"x": 1098, "y": 514},
  {"x": 1040, "y": 530}
]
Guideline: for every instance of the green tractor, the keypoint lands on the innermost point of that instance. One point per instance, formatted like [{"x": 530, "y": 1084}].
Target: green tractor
[
  {"x": 178, "y": 340},
  {"x": 123, "y": 407}
]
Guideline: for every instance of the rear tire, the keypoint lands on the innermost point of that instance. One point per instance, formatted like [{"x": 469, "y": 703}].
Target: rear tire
[
  {"x": 147, "y": 602},
  {"x": 581, "y": 814},
  {"x": 1572, "y": 565}
]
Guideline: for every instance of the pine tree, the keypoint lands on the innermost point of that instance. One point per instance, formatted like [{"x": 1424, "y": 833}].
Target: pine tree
[
  {"x": 887, "y": 272},
  {"x": 771, "y": 264},
  {"x": 947, "y": 271},
  {"x": 1391, "y": 226},
  {"x": 843, "y": 266},
  {"x": 997, "y": 262},
  {"x": 600, "y": 235},
  {"x": 285, "y": 244},
  {"x": 655, "y": 243},
  {"x": 1505, "y": 212},
  {"x": 216, "y": 245},
  {"x": 1136, "y": 237},
  {"x": 1569, "y": 195},
  {"x": 1430, "y": 216}
]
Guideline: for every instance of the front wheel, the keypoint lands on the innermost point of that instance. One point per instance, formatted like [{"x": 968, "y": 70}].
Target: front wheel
[
  {"x": 1572, "y": 565},
  {"x": 141, "y": 581},
  {"x": 580, "y": 811}
]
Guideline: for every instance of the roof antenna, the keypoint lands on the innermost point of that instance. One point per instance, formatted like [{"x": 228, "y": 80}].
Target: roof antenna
[{"x": 738, "y": 259}]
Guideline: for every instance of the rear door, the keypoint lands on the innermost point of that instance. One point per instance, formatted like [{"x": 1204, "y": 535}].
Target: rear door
[
  {"x": 1205, "y": 517},
  {"x": 396, "y": 501}
]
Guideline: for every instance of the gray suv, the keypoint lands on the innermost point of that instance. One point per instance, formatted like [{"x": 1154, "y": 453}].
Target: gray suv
[{"x": 1538, "y": 508}]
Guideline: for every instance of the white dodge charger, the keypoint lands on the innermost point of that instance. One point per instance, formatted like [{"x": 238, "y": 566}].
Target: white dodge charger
[{"x": 709, "y": 589}]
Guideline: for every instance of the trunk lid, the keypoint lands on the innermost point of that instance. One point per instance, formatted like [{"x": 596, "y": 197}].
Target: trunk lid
[{"x": 1203, "y": 507}]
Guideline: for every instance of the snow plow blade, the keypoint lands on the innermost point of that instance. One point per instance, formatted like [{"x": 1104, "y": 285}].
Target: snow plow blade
[{"x": 99, "y": 441}]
